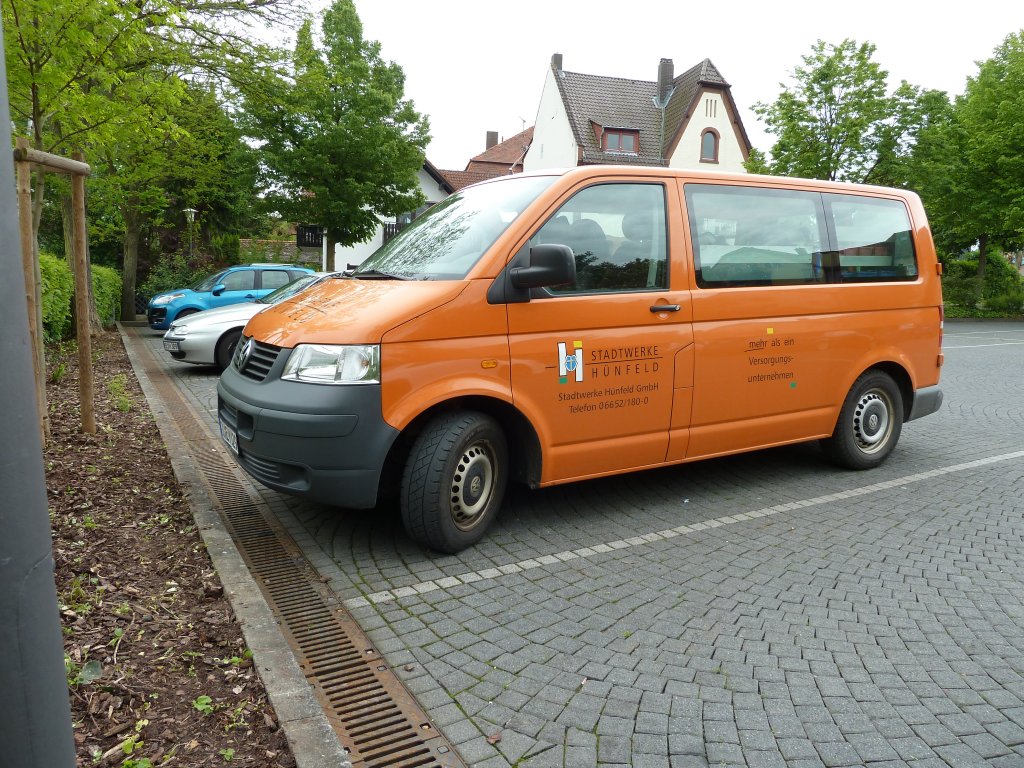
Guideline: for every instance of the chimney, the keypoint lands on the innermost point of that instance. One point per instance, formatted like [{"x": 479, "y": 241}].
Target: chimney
[
  {"x": 665, "y": 76},
  {"x": 556, "y": 62},
  {"x": 492, "y": 139}
]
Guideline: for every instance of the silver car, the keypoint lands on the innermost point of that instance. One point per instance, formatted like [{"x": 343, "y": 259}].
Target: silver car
[{"x": 209, "y": 337}]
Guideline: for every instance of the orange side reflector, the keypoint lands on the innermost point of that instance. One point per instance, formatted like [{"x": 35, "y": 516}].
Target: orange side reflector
[
  {"x": 941, "y": 359},
  {"x": 488, "y": 363},
  {"x": 938, "y": 268}
]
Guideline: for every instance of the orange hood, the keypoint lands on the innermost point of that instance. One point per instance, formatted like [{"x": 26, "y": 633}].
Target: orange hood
[{"x": 349, "y": 311}]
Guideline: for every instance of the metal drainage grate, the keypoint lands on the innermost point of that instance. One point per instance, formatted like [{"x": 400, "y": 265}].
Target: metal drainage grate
[{"x": 376, "y": 718}]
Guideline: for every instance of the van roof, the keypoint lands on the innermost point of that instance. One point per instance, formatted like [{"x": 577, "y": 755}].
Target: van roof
[{"x": 704, "y": 175}]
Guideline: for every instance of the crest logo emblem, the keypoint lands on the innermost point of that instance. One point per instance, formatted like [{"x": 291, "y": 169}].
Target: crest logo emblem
[{"x": 570, "y": 363}]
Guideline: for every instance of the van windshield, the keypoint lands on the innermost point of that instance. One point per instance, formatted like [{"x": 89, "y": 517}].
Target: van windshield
[{"x": 450, "y": 238}]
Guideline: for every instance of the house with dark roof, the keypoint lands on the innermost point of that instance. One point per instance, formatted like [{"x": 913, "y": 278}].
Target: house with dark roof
[
  {"x": 497, "y": 159},
  {"x": 689, "y": 121}
]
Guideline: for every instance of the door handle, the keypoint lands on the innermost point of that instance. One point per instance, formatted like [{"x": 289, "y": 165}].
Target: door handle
[{"x": 665, "y": 308}]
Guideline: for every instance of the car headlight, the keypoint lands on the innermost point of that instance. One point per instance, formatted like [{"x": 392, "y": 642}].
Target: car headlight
[
  {"x": 166, "y": 298},
  {"x": 334, "y": 364},
  {"x": 177, "y": 330}
]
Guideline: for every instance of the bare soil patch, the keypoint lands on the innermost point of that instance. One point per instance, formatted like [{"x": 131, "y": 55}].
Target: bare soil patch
[{"x": 157, "y": 667}]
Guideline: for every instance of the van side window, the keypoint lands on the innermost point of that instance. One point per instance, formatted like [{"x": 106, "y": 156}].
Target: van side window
[
  {"x": 873, "y": 238},
  {"x": 744, "y": 236},
  {"x": 617, "y": 233}
]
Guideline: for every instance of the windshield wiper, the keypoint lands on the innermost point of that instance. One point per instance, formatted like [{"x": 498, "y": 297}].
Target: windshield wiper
[{"x": 376, "y": 274}]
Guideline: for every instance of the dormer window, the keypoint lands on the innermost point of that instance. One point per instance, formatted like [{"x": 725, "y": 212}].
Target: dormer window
[{"x": 620, "y": 140}]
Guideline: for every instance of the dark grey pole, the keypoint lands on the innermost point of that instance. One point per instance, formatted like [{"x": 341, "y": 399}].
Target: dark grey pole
[{"x": 35, "y": 713}]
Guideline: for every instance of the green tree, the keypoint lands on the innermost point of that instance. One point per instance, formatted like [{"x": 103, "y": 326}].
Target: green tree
[
  {"x": 194, "y": 159},
  {"x": 97, "y": 74},
  {"x": 341, "y": 147},
  {"x": 969, "y": 166},
  {"x": 990, "y": 119},
  {"x": 913, "y": 112},
  {"x": 836, "y": 121}
]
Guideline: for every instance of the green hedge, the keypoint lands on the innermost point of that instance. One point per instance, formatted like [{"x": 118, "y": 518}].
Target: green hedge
[
  {"x": 106, "y": 288},
  {"x": 58, "y": 290}
]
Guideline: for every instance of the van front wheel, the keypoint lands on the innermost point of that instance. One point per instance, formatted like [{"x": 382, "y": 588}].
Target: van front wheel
[
  {"x": 454, "y": 480},
  {"x": 869, "y": 424}
]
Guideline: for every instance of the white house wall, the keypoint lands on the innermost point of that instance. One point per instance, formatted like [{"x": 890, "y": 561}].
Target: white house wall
[
  {"x": 354, "y": 254},
  {"x": 553, "y": 143},
  {"x": 714, "y": 115}
]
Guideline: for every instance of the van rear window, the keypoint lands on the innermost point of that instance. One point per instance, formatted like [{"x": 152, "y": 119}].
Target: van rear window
[
  {"x": 745, "y": 236},
  {"x": 873, "y": 239}
]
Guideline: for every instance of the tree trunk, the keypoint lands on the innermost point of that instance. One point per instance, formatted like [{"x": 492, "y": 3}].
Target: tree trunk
[
  {"x": 68, "y": 220},
  {"x": 982, "y": 259},
  {"x": 132, "y": 235},
  {"x": 37, "y": 209}
]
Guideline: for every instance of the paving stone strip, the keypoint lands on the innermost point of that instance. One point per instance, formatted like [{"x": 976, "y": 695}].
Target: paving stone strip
[{"x": 647, "y": 538}]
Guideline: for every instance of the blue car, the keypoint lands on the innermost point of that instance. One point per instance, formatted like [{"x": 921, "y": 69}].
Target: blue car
[{"x": 233, "y": 285}]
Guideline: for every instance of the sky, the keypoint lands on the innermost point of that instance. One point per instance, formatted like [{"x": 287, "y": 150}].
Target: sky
[{"x": 473, "y": 66}]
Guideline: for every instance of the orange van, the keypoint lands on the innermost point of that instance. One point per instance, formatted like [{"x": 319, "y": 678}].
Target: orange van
[{"x": 559, "y": 326}]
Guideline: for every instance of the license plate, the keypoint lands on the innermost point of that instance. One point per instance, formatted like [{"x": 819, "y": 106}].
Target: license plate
[
  {"x": 229, "y": 436},
  {"x": 171, "y": 346}
]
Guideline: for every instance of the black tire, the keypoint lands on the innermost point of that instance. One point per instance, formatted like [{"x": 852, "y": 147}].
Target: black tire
[
  {"x": 183, "y": 313},
  {"x": 454, "y": 481},
  {"x": 869, "y": 424},
  {"x": 226, "y": 348}
]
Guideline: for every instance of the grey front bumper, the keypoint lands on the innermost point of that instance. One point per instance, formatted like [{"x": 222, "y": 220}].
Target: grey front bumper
[{"x": 326, "y": 443}]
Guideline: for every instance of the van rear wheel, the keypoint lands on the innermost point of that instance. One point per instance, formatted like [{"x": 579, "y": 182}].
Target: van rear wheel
[
  {"x": 454, "y": 480},
  {"x": 869, "y": 424}
]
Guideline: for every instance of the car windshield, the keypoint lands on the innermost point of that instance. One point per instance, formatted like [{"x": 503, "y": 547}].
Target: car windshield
[
  {"x": 290, "y": 289},
  {"x": 450, "y": 238},
  {"x": 206, "y": 284}
]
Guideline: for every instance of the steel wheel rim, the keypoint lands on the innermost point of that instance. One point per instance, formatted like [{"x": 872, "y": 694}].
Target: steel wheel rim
[
  {"x": 472, "y": 485},
  {"x": 872, "y": 421}
]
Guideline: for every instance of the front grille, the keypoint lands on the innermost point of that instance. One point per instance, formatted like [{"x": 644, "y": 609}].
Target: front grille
[
  {"x": 157, "y": 314},
  {"x": 260, "y": 361}
]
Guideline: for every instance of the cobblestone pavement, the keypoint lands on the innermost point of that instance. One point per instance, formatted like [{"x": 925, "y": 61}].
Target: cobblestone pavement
[{"x": 759, "y": 610}]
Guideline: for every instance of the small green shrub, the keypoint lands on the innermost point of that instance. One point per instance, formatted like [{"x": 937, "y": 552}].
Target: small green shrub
[
  {"x": 226, "y": 249},
  {"x": 170, "y": 272},
  {"x": 962, "y": 287},
  {"x": 106, "y": 289},
  {"x": 1007, "y": 304},
  {"x": 57, "y": 287}
]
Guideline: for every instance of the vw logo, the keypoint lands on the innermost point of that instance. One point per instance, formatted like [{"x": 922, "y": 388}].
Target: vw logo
[{"x": 243, "y": 354}]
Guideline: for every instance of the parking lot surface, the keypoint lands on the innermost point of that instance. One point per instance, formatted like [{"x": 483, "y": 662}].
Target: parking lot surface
[{"x": 766, "y": 609}]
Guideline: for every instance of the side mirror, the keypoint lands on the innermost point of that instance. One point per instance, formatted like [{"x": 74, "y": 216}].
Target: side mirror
[
  {"x": 218, "y": 289},
  {"x": 550, "y": 264}
]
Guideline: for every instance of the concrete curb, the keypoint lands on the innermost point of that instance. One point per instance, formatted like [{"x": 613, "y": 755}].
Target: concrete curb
[{"x": 313, "y": 741}]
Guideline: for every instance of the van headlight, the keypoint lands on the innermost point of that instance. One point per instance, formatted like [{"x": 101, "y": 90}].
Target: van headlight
[{"x": 334, "y": 364}]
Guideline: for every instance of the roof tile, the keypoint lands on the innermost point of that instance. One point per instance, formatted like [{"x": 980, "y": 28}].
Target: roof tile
[{"x": 614, "y": 102}]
